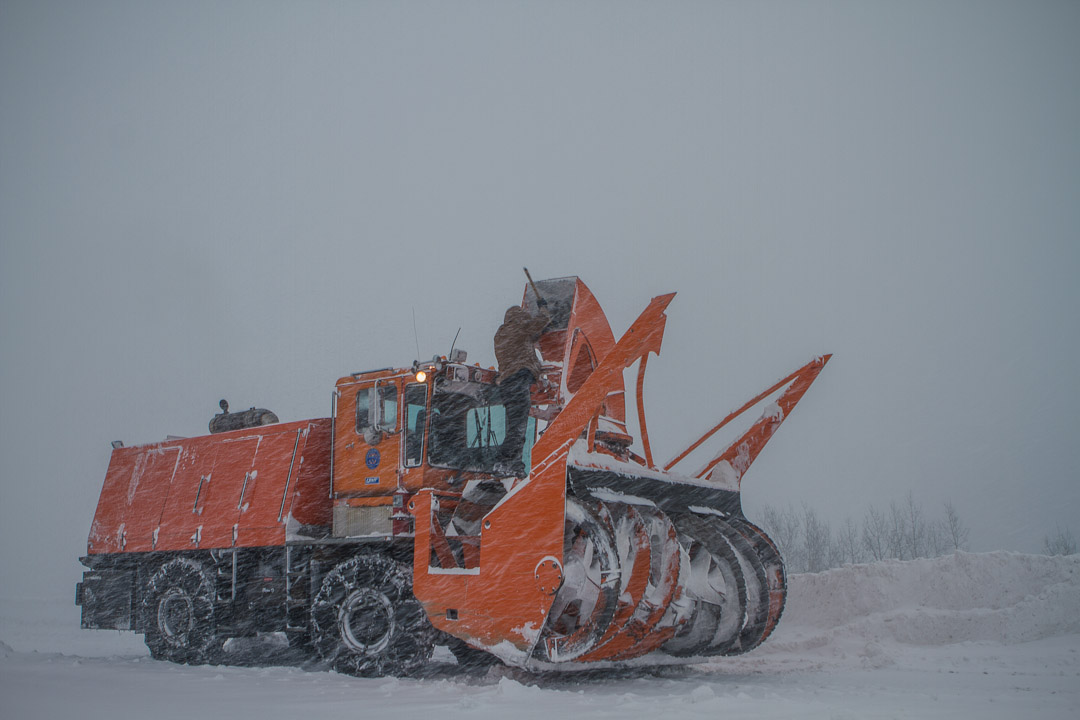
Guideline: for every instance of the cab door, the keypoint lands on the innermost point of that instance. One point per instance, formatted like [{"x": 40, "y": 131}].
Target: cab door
[
  {"x": 414, "y": 416},
  {"x": 367, "y": 446}
]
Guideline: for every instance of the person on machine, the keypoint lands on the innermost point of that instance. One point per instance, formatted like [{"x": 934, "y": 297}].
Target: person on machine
[{"x": 519, "y": 368}]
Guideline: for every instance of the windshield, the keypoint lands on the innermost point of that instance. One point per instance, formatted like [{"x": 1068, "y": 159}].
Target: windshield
[{"x": 468, "y": 425}]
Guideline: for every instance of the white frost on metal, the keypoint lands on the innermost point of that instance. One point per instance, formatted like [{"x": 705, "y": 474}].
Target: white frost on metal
[
  {"x": 700, "y": 510},
  {"x": 580, "y": 457},
  {"x": 607, "y": 424},
  {"x": 529, "y": 631},
  {"x": 728, "y": 475},
  {"x": 773, "y": 412},
  {"x": 136, "y": 475},
  {"x": 508, "y": 652},
  {"x": 611, "y": 495},
  {"x": 448, "y": 571},
  {"x": 292, "y": 527},
  {"x": 724, "y": 476}
]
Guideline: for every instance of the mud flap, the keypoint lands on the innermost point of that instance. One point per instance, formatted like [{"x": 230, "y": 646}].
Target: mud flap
[{"x": 107, "y": 598}]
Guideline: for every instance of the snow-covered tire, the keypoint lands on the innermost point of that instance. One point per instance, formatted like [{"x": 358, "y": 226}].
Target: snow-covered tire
[
  {"x": 178, "y": 612},
  {"x": 365, "y": 620}
]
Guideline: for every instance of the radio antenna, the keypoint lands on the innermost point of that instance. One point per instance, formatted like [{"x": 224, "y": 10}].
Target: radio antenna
[
  {"x": 416, "y": 335},
  {"x": 451, "y": 355}
]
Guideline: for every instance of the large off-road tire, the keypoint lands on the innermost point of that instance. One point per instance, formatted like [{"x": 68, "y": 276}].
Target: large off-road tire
[
  {"x": 365, "y": 620},
  {"x": 178, "y": 614}
]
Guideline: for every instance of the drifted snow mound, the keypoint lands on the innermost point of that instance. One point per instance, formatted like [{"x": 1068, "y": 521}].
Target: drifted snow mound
[{"x": 983, "y": 597}]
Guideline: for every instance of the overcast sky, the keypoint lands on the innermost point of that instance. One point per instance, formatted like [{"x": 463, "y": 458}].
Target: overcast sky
[{"x": 249, "y": 200}]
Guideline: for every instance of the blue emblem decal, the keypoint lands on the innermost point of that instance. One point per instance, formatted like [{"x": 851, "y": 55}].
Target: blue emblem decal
[
  {"x": 372, "y": 459},
  {"x": 371, "y": 480}
]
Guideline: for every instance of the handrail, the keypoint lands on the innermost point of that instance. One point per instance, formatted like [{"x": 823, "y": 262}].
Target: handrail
[
  {"x": 288, "y": 478},
  {"x": 333, "y": 437}
]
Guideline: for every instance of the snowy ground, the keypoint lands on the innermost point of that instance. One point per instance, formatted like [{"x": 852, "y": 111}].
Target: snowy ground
[{"x": 994, "y": 635}]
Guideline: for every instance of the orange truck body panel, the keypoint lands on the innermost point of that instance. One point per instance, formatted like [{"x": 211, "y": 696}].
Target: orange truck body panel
[{"x": 234, "y": 489}]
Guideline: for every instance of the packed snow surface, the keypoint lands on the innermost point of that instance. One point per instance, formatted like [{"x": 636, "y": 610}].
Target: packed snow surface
[{"x": 994, "y": 635}]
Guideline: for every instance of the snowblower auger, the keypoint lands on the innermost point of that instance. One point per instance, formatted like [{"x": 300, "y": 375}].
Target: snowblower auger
[{"x": 395, "y": 524}]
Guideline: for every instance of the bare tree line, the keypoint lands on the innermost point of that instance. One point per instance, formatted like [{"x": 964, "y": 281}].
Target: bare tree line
[
  {"x": 1060, "y": 542},
  {"x": 901, "y": 531}
]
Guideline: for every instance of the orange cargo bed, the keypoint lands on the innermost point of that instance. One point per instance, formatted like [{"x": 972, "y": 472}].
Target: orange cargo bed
[{"x": 246, "y": 488}]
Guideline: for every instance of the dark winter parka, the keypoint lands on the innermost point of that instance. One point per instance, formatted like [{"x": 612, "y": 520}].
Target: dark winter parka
[{"x": 515, "y": 342}]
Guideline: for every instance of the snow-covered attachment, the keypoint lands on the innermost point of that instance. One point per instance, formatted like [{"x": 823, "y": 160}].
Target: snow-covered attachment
[
  {"x": 648, "y": 561},
  {"x": 398, "y": 523}
]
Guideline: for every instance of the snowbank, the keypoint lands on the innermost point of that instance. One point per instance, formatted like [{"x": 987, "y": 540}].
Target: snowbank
[
  {"x": 1000, "y": 597},
  {"x": 909, "y": 613}
]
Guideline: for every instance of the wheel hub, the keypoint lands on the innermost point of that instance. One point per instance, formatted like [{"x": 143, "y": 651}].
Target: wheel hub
[
  {"x": 366, "y": 619},
  {"x": 176, "y": 616}
]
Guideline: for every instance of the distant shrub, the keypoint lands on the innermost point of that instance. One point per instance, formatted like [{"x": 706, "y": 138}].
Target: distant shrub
[{"x": 1060, "y": 542}]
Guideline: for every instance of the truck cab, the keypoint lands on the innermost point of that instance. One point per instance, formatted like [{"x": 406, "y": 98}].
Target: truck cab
[{"x": 437, "y": 425}]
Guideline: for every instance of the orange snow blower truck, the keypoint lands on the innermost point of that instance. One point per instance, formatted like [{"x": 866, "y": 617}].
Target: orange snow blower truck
[{"x": 388, "y": 528}]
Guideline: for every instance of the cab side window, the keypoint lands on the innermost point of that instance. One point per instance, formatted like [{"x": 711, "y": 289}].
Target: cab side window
[
  {"x": 387, "y": 406},
  {"x": 377, "y": 406},
  {"x": 363, "y": 409},
  {"x": 415, "y": 419}
]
